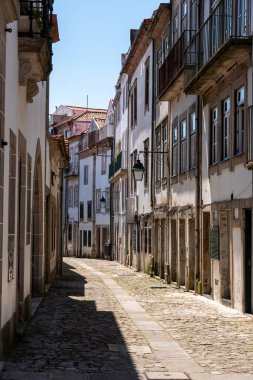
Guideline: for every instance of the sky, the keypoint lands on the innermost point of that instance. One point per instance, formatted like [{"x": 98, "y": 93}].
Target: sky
[{"x": 87, "y": 59}]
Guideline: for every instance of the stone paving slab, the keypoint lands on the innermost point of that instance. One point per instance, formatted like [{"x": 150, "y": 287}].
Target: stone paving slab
[
  {"x": 166, "y": 376},
  {"x": 130, "y": 348},
  {"x": 93, "y": 325},
  {"x": 218, "y": 338}
]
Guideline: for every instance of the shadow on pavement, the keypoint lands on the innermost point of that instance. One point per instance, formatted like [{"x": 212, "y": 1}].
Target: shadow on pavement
[{"x": 68, "y": 338}]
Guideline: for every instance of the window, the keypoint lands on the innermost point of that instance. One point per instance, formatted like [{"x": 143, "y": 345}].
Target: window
[
  {"x": 175, "y": 28},
  {"x": 76, "y": 196},
  {"x": 166, "y": 46},
  {"x": 158, "y": 154},
  {"x": 81, "y": 211},
  {"x": 76, "y": 160},
  {"x": 135, "y": 102},
  {"x": 226, "y": 129},
  {"x": 250, "y": 135},
  {"x": 184, "y": 16},
  {"x": 242, "y": 17},
  {"x": 164, "y": 149},
  {"x": 183, "y": 146},
  {"x": 70, "y": 196},
  {"x": 146, "y": 163},
  {"x": 147, "y": 84},
  {"x": 89, "y": 238},
  {"x": 85, "y": 174},
  {"x": 85, "y": 240},
  {"x": 103, "y": 163},
  {"x": 158, "y": 65},
  {"x": 98, "y": 197},
  {"x": 193, "y": 17},
  {"x": 70, "y": 232},
  {"x": 239, "y": 122},
  {"x": 192, "y": 144},
  {"x": 89, "y": 210},
  {"x": 214, "y": 135},
  {"x": 174, "y": 151}
]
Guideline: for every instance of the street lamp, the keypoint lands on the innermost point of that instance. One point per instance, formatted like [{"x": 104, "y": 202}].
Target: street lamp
[{"x": 138, "y": 170}]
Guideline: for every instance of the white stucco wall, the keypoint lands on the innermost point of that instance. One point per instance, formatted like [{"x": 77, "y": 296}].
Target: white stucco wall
[
  {"x": 30, "y": 120},
  {"x": 142, "y": 130}
]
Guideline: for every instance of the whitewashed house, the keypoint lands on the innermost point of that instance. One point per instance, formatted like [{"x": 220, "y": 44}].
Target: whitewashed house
[
  {"x": 94, "y": 189},
  {"x": 27, "y": 261},
  {"x": 118, "y": 169},
  {"x": 138, "y": 67}
]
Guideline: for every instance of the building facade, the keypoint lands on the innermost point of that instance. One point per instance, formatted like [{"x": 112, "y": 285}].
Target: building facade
[
  {"x": 27, "y": 264},
  {"x": 190, "y": 220}
]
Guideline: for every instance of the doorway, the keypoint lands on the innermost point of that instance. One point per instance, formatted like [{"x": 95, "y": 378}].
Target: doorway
[
  {"x": 248, "y": 260},
  {"x": 173, "y": 262},
  {"x": 206, "y": 254}
]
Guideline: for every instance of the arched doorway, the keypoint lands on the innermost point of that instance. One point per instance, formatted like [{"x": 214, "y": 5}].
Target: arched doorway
[{"x": 37, "y": 262}]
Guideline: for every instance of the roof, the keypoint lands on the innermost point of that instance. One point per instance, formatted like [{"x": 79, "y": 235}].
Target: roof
[
  {"x": 100, "y": 122},
  {"x": 137, "y": 46},
  {"x": 90, "y": 114},
  {"x": 87, "y": 116},
  {"x": 160, "y": 20}
]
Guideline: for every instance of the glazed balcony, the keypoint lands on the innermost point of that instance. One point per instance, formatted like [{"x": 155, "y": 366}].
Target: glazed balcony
[
  {"x": 37, "y": 27},
  {"x": 117, "y": 168},
  {"x": 215, "y": 49},
  {"x": 171, "y": 72}
]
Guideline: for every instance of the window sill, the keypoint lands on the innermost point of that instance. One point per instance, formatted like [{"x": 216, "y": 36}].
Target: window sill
[
  {"x": 164, "y": 181},
  {"x": 158, "y": 183}
]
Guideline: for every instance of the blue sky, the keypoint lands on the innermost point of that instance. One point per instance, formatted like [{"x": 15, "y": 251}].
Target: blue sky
[{"x": 87, "y": 60}]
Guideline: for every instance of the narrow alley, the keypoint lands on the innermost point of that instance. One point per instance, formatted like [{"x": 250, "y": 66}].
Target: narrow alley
[{"x": 102, "y": 320}]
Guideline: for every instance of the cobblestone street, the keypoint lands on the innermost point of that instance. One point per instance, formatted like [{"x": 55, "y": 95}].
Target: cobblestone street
[{"x": 105, "y": 321}]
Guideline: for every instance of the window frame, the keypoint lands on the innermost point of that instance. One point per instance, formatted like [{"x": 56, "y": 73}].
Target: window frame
[
  {"x": 214, "y": 158},
  {"x": 89, "y": 210},
  {"x": 81, "y": 211},
  {"x": 174, "y": 150},
  {"x": 239, "y": 129},
  {"x": 192, "y": 140},
  {"x": 183, "y": 146},
  {"x": 86, "y": 174}
]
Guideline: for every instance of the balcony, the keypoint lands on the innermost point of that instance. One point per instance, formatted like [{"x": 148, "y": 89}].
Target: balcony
[
  {"x": 93, "y": 138},
  {"x": 171, "y": 72},
  {"x": 36, "y": 26},
  {"x": 215, "y": 49},
  {"x": 117, "y": 168},
  {"x": 73, "y": 169}
]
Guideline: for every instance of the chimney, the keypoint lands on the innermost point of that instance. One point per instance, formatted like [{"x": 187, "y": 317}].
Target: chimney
[{"x": 133, "y": 34}]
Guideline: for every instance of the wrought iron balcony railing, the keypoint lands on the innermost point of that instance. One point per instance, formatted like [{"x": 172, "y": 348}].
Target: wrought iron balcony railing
[
  {"x": 39, "y": 17},
  {"x": 115, "y": 165},
  {"x": 173, "y": 64},
  {"x": 229, "y": 22}
]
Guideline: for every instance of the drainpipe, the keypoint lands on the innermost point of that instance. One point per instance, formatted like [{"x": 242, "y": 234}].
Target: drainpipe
[
  {"x": 198, "y": 199},
  {"x": 93, "y": 249},
  {"x": 153, "y": 117},
  {"x": 112, "y": 243},
  {"x": 198, "y": 192},
  {"x": 127, "y": 181}
]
